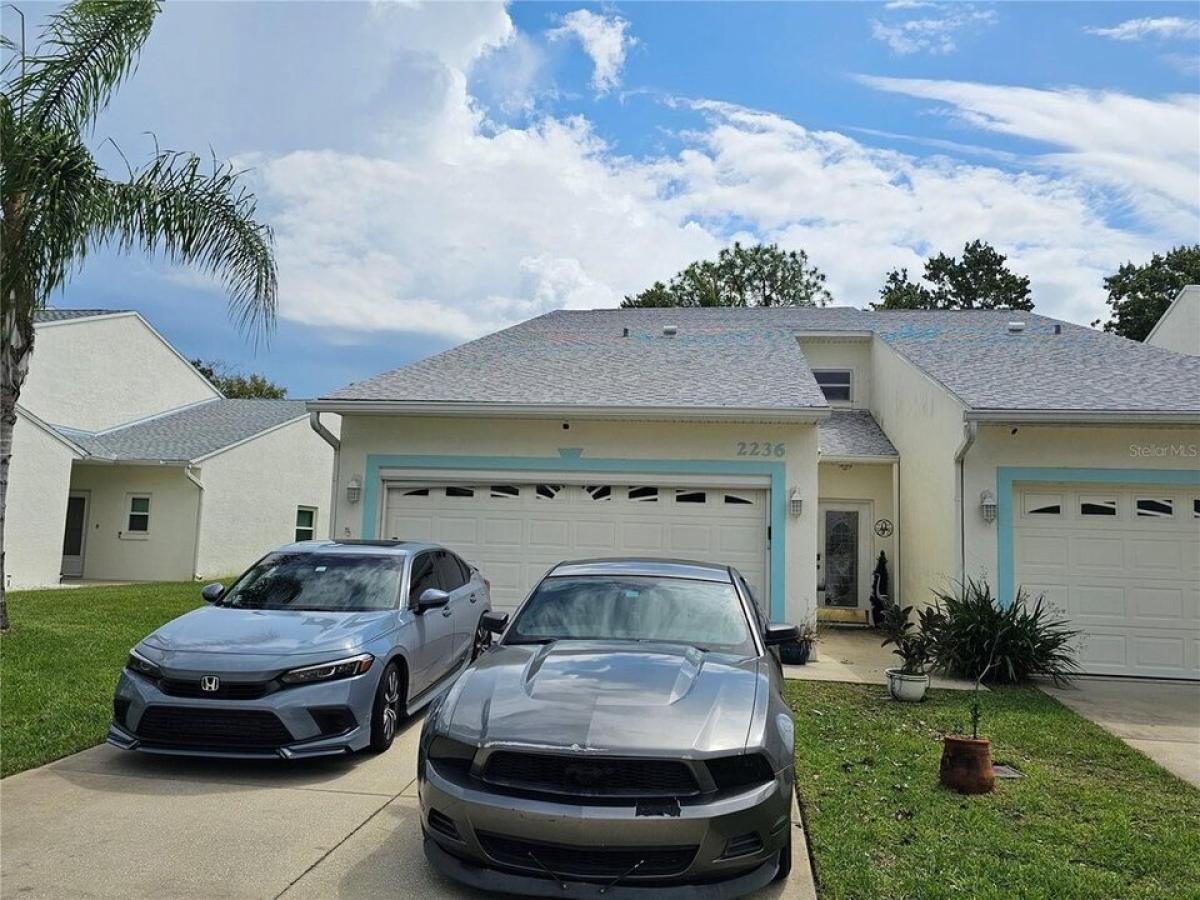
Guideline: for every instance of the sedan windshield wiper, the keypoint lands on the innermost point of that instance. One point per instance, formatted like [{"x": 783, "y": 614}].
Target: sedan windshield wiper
[{"x": 532, "y": 640}]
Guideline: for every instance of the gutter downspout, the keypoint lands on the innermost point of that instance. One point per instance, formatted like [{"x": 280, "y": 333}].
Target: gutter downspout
[
  {"x": 199, "y": 519},
  {"x": 314, "y": 421},
  {"x": 970, "y": 432}
]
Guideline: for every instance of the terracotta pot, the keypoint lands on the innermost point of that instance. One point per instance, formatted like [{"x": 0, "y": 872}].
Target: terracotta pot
[
  {"x": 967, "y": 765},
  {"x": 909, "y": 688}
]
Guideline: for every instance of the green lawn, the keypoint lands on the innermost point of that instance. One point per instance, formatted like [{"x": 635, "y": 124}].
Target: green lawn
[
  {"x": 1092, "y": 818},
  {"x": 59, "y": 663}
]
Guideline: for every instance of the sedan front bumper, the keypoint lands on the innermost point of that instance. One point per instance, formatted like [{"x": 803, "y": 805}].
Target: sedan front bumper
[{"x": 723, "y": 846}]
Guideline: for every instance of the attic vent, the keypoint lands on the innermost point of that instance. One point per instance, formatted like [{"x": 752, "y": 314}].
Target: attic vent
[
  {"x": 670, "y": 330},
  {"x": 1016, "y": 327}
]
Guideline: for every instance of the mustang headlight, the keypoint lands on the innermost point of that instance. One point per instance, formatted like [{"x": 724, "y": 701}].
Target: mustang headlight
[
  {"x": 139, "y": 665},
  {"x": 339, "y": 668}
]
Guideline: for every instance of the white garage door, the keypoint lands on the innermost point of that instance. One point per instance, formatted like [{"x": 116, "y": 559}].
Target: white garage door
[
  {"x": 1123, "y": 564},
  {"x": 514, "y": 532}
]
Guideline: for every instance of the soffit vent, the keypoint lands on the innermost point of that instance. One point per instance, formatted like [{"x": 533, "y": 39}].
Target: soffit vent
[
  {"x": 1016, "y": 327},
  {"x": 670, "y": 330}
]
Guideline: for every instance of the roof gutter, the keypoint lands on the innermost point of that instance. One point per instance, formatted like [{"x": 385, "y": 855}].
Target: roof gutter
[
  {"x": 314, "y": 421},
  {"x": 970, "y": 433},
  {"x": 563, "y": 411},
  {"x": 188, "y": 472},
  {"x": 1083, "y": 417}
]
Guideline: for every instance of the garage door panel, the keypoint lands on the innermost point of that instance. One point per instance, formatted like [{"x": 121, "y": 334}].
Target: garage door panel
[
  {"x": 503, "y": 532},
  {"x": 596, "y": 535},
  {"x": 550, "y": 533},
  {"x": 691, "y": 539},
  {"x": 1131, "y": 584},
  {"x": 643, "y": 538}
]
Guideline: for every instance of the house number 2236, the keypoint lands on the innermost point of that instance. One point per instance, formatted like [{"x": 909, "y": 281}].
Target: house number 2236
[{"x": 755, "y": 448}]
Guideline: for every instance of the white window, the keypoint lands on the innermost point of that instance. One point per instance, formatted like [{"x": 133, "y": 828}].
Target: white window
[
  {"x": 1043, "y": 504},
  {"x": 836, "y": 384},
  {"x": 139, "y": 514},
  {"x": 1155, "y": 507},
  {"x": 306, "y": 523},
  {"x": 1097, "y": 506}
]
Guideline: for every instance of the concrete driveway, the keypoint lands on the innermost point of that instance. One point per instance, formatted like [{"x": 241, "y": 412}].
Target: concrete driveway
[
  {"x": 103, "y": 823},
  {"x": 1159, "y": 718}
]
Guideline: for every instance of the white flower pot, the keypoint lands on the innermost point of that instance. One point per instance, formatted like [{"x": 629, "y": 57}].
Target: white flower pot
[{"x": 909, "y": 688}]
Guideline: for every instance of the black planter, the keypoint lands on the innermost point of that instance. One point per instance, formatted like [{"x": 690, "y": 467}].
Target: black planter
[{"x": 795, "y": 653}]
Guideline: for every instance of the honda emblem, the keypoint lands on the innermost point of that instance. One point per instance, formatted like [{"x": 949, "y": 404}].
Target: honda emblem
[{"x": 210, "y": 683}]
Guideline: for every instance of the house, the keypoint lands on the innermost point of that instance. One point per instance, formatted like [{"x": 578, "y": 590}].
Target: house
[
  {"x": 129, "y": 465},
  {"x": 1179, "y": 327},
  {"x": 799, "y": 444}
]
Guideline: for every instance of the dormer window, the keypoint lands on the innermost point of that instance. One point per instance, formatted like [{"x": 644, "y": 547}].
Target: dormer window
[{"x": 836, "y": 384}]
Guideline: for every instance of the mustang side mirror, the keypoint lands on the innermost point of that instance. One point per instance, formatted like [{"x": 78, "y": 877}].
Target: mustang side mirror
[
  {"x": 432, "y": 598},
  {"x": 495, "y": 622},
  {"x": 212, "y": 592},
  {"x": 780, "y": 633}
]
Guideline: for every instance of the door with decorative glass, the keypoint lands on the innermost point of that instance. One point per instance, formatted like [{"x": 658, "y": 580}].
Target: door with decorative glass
[{"x": 840, "y": 555}]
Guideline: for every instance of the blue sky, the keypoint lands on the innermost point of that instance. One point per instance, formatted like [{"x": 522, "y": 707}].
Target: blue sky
[{"x": 437, "y": 171}]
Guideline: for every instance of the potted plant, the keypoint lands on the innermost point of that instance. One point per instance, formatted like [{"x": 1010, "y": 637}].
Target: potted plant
[
  {"x": 797, "y": 652},
  {"x": 967, "y": 761},
  {"x": 910, "y": 680}
]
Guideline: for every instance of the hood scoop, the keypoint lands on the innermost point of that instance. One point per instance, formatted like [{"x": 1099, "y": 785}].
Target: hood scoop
[{"x": 613, "y": 674}]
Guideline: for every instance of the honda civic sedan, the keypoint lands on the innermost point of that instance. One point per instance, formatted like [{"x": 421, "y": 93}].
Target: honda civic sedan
[
  {"x": 319, "y": 649},
  {"x": 626, "y": 735}
]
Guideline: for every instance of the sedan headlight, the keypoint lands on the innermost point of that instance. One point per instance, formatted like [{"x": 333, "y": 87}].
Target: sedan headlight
[
  {"x": 339, "y": 668},
  {"x": 142, "y": 666}
]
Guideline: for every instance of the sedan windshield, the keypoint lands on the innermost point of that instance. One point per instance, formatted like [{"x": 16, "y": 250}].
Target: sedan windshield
[
  {"x": 704, "y": 614},
  {"x": 321, "y": 582}
]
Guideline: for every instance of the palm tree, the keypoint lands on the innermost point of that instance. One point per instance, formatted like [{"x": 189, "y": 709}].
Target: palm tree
[{"x": 58, "y": 204}]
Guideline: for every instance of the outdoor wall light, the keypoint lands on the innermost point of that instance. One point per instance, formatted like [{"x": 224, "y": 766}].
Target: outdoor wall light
[
  {"x": 987, "y": 506},
  {"x": 354, "y": 490},
  {"x": 795, "y": 503}
]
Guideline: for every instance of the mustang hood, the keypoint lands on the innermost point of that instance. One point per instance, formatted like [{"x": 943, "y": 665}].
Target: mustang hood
[
  {"x": 216, "y": 629},
  {"x": 611, "y": 697}
]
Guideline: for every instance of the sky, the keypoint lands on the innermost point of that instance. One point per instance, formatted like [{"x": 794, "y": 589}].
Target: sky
[{"x": 436, "y": 171}]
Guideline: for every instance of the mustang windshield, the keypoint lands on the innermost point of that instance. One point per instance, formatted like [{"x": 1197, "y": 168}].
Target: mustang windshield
[
  {"x": 320, "y": 582},
  {"x": 704, "y": 614}
]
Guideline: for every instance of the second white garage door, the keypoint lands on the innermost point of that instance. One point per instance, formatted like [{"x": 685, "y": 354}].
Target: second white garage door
[
  {"x": 514, "y": 532},
  {"x": 1122, "y": 563}
]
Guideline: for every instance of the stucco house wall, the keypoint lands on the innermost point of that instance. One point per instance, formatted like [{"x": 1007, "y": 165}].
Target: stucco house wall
[
  {"x": 112, "y": 553},
  {"x": 854, "y": 354},
  {"x": 925, "y": 424},
  {"x": 99, "y": 372},
  {"x": 37, "y": 506},
  {"x": 622, "y": 444},
  {"x": 1179, "y": 327},
  {"x": 250, "y": 508}
]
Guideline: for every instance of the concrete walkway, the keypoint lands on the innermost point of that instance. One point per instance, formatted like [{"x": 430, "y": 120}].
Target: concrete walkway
[
  {"x": 107, "y": 824},
  {"x": 854, "y": 655},
  {"x": 1159, "y": 718}
]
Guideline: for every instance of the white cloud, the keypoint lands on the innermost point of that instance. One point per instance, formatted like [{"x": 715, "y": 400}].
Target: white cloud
[
  {"x": 1144, "y": 149},
  {"x": 1163, "y": 28},
  {"x": 936, "y": 31},
  {"x": 604, "y": 38},
  {"x": 455, "y": 226}
]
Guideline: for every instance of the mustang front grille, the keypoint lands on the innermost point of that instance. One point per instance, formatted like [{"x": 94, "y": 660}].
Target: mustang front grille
[
  {"x": 587, "y": 862},
  {"x": 590, "y": 776}
]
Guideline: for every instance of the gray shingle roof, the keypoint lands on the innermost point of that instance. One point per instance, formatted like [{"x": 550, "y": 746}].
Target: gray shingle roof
[
  {"x": 189, "y": 433},
  {"x": 853, "y": 432},
  {"x": 749, "y": 358},
  {"x": 53, "y": 314}
]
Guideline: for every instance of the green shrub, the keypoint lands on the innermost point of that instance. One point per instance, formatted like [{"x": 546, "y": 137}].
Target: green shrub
[{"x": 1021, "y": 640}]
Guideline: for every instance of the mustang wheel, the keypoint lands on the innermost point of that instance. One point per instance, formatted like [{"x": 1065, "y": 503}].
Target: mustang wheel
[{"x": 389, "y": 705}]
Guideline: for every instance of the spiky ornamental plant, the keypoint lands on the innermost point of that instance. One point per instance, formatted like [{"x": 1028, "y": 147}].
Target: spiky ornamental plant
[{"x": 57, "y": 204}]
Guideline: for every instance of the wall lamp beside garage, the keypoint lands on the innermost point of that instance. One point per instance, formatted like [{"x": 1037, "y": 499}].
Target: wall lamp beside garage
[
  {"x": 354, "y": 490},
  {"x": 987, "y": 506},
  {"x": 795, "y": 503}
]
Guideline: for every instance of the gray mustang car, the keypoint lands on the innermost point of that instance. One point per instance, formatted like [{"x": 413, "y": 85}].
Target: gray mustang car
[
  {"x": 318, "y": 649},
  {"x": 627, "y": 735}
]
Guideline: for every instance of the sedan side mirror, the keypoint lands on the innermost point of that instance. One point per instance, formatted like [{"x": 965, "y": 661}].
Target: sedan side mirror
[
  {"x": 212, "y": 592},
  {"x": 780, "y": 633},
  {"x": 495, "y": 622},
  {"x": 432, "y": 598}
]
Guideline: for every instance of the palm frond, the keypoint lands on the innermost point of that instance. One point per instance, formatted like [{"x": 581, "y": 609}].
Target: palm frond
[
  {"x": 200, "y": 216},
  {"x": 87, "y": 50}
]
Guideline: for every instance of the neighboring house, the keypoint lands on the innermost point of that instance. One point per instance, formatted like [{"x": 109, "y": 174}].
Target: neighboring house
[
  {"x": 129, "y": 465},
  {"x": 1179, "y": 327},
  {"x": 797, "y": 445}
]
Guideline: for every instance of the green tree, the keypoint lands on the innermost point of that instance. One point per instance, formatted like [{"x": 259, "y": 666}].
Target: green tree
[
  {"x": 1139, "y": 295},
  {"x": 237, "y": 386},
  {"x": 979, "y": 280},
  {"x": 58, "y": 204},
  {"x": 760, "y": 275}
]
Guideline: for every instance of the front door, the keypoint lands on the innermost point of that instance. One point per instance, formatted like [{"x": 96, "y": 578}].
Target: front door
[
  {"x": 74, "y": 535},
  {"x": 840, "y": 572}
]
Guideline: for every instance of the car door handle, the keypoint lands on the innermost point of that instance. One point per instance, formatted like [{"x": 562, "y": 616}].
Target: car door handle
[{"x": 447, "y": 611}]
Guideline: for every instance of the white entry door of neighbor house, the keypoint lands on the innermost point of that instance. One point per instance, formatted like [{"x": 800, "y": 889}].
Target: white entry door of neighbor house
[
  {"x": 1122, "y": 564},
  {"x": 515, "y": 531},
  {"x": 75, "y": 534},
  {"x": 843, "y": 553}
]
